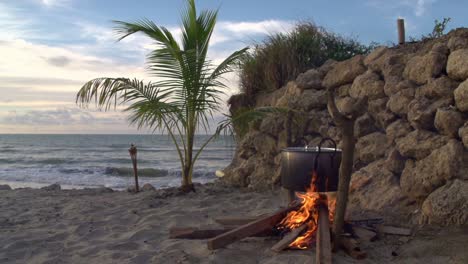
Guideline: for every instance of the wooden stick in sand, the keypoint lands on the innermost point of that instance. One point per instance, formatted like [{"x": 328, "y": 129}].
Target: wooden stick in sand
[
  {"x": 323, "y": 245},
  {"x": 289, "y": 238}
]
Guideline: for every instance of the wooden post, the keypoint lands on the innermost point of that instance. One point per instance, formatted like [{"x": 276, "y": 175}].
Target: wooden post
[
  {"x": 401, "y": 31},
  {"x": 323, "y": 247},
  {"x": 133, "y": 155}
]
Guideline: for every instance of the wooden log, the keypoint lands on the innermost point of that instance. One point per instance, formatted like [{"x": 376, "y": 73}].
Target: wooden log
[
  {"x": 255, "y": 227},
  {"x": 288, "y": 238},
  {"x": 401, "y": 30},
  {"x": 351, "y": 247},
  {"x": 364, "y": 234},
  {"x": 392, "y": 230},
  {"x": 323, "y": 246}
]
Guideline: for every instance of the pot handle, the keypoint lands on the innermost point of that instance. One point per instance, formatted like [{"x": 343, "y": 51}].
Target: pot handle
[{"x": 320, "y": 151}]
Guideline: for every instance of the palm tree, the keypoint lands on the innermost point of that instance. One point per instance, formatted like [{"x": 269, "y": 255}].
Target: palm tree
[{"x": 187, "y": 92}]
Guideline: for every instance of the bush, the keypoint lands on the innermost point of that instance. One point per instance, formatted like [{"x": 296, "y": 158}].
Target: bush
[{"x": 283, "y": 56}]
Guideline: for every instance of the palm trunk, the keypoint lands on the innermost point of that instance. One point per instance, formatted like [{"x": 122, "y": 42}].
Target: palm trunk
[{"x": 187, "y": 172}]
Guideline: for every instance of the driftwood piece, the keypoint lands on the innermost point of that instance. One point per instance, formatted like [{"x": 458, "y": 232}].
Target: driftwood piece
[
  {"x": 392, "y": 230},
  {"x": 323, "y": 246},
  {"x": 288, "y": 238},
  {"x": 365, "y": 234},
  {"x": 195, "y": 233},
  {"x": 255, "y": 227},
  {"x": 351, "y": 247}
]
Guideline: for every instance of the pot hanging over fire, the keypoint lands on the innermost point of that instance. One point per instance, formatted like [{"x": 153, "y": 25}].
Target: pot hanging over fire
[{"x": 299, "y": 163}]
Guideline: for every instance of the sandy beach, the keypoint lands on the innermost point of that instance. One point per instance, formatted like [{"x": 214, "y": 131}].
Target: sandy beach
[{"x": 105, "y": 226}]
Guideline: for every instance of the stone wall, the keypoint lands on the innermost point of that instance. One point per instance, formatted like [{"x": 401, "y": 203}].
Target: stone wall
[{"x": 411, "y": 139}]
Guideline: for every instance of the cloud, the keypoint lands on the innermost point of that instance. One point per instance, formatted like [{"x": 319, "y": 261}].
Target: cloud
[
  {"x": 51, "y": 3},
  {"x": 58, "y": 61},
  {"x": 417, "y": 7}
]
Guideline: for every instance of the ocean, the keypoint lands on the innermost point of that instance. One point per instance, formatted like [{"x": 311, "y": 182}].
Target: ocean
[{"x": 81, "y": 161}]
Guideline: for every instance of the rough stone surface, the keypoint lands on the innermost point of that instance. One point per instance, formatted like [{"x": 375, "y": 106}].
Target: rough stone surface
[
  {"x": 345, "y": 104},
  {"x": 312, "y": 99},
  {"x": 344, "y": 72},
  {"x": 378, "y": 110},
  {"x": 367, "y": 85},
  {"x": 311, "y": 79},
  {"x": 398, "y": 129},
  {"x": 364, "y": 125},
  {"x": 370, "y": 148},
  {"x": 52, "y": 187},
  {"x": 448, "y": 121},
  {"x": 461, "y": 96},
  {"x": 419, "y": 144},
  {"x": 399, "y": 102},
  {"x": 147, "y": 188},
  {"x": 5, "y": 187},
  {"x": 457, "y": 42},
  {"x": 421, "y": 69},
  {"x": 448, "y": 205},
  {"x": 442, "y": 87},
  {"x": 421, "y": 112},
  {"x": 457, "y": 65},
  {"x": 395, "y": 162},
  {"x": 463, "y": 134},
  {"x": 422, "y": 177}
]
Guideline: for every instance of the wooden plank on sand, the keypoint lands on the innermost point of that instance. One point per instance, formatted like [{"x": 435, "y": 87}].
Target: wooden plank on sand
[
  {"x": 323, "y": 246},
  {"x": 392, "y": 230},
  {"x": 255, "y": 227},
  {"x": 364, "y": 234},
  {"x": 288, "y": 238}
]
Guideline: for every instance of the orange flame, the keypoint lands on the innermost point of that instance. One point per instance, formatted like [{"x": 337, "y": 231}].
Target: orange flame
[{"x": 307, "y": 214}]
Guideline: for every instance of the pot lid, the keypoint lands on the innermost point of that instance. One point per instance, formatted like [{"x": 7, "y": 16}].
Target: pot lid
[{"x": 311, "y": 149}]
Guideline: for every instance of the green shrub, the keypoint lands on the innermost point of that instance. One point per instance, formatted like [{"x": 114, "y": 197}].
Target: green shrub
[{"x": 283, "y": 56}]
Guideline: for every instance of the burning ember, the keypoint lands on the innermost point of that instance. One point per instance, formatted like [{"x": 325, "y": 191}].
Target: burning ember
[{"x": 307, "y": 214}]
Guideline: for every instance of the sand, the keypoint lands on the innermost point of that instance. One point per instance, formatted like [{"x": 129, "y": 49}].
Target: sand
[{"x": 99, "y": 226}]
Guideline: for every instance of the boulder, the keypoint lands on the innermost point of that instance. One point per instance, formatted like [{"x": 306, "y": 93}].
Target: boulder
[
  {"x": 311, "y": 79},
  {"x": 421, "y": 112},
  {"x": 395, "y": 162},
  {"x": 378, "y": 110},
  {"x": 399, "y": 102},
  {"x": 370, "y": 148},
  {"x": 148, "y": 188},
  {"x": 343, "y": 90},
  {"x": 265, "y": 146},
  {"x": 312, "y": 99},
  {"x": 239, "y": 174},
  {"x": 461, "y": 96},
  {"x": 5, "y": 187},
  {"x": 345, "y": 105},
  {"x": 390, "y": 63},
  {"x": 448, "y": 205},
  {"x": 376, "y": 54},
  {"x": 419, "y": 144},
  {"x": 316, "y": 120},
  {"x": 52, "y": 187},
  {"x": 420, "y": 178},
  {"x": 273, "y": 124},
  {"x": 457, "y": 42},
  {"x": 344, "y": 72},
  {"x": 448, "y": 121},
  {"x": 262, "y": 178},
  {"x": 327, "y": 66},
  {"x": 442, "y": 87},
  {"x": 395, "y": 85},
  {"x": 457, "y": 65},
  {"x": 367, "y": 85},
  {"x": 397, "y": 129},
  {"x": 421, "y": 69},
  {"x": 364, "y": 125},
  {"x": 463, "y": 134}
]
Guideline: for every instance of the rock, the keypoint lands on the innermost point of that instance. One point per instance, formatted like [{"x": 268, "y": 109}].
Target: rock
[
  {"x": 399, "y": 102},
  {"x": 448, "y": 121},
  {"x": 327, "y": 66},
  {"x": 265, "y": 146},
  {"x": 312, "y": 99},
  {"x": 147, "y": 188},
  {"x": 344, "y": 72},
  {"x": 239, "y": 174},
  {"x": 395, "y": 162},
  {"x": 456, "y": 43},
  {"x": 421, "y": 112},
  {"x": 263, "y": 175},
  {"x": 457, "y": 65},
  {"x": 367, "y": 85},
  {"x": 421, "y": 69},
  {"x": 345, "y": 105},
  {"x": 375, "y": 188},
  {"x": 370, "y": 148},
  {"x": 461, "y": 96},
  {"x": 316, "y": 120},
  {"x": 273, "y": 124},
  {"x": 311, "y": 79},
  {"x": 375, "y": 55},
  {"x": 390, "y": 63},
  {"x": 420, "y": 178},
  {"x": 442, "y": 87},
  {"x": 343, "y": 90},
  {"x": 5, "y": 187},
  {"x": 364, "y": 125},
  {"x": 52, "y": 187},
  {"x": 397, "y": 129},
  {"x": 463, "y": 134},
  {"x": 378, "y": 110},
  {"x": 419, "y": 144},
  {"x": 448, "y": 204},
  {"x": 395, "y": 85}
]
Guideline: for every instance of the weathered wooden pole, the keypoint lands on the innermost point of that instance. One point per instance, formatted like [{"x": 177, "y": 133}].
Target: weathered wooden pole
[
  {"x": 133, "y": 155},
  {"x": 346, "y": 125},
  {"x": 401, "y": 30},
  {"x": 323, "y": 246}
]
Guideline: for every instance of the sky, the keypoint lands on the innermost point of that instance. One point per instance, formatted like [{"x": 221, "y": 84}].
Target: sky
[{"x": 50, "y": 48}]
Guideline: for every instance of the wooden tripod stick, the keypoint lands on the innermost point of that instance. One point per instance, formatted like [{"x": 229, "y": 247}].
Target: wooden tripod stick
[{"x": 346, "y": 124}]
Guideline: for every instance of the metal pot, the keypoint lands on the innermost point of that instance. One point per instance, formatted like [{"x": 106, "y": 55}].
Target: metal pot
[{"x": 299, "y": 163}]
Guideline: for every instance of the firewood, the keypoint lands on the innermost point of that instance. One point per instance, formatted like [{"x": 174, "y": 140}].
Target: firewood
[
  {"x": 392, "y": 230},
  {"x": 323, "y": 246},
  {"x": 289, "y": 238},
  {"x": 364, "y": 234},
  {"x": 351, "y": 247},
  {"x": 255, "y": 227}
]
